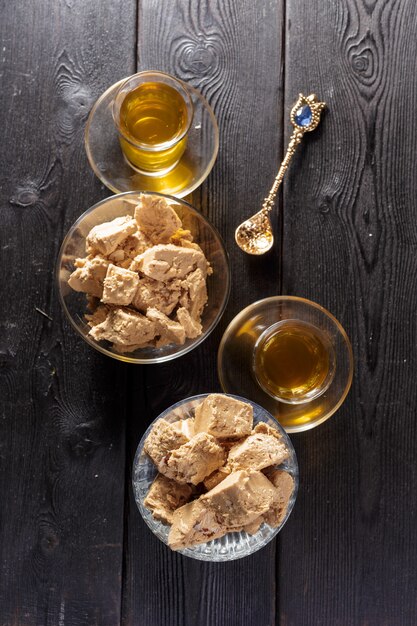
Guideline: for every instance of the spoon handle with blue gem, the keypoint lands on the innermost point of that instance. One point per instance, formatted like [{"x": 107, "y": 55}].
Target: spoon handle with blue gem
[{"x": 255, "y": 235}]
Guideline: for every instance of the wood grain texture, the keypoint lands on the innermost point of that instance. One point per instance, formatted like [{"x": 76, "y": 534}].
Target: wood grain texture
[
  {"x": 349, "y": 555},
  {"x": 231, "y": 51},
  {"x": 62, "y": 414}
]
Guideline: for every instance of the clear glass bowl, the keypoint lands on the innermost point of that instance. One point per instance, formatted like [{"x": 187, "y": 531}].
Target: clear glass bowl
[
  {"x": 233, "y": 545},
  {"x": 75, "y": 303},
  {"x": 236, "y": 350}
]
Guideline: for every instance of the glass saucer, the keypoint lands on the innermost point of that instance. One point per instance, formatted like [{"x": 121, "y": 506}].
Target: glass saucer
[
  {"x": 235, "y": 358},
  {"x": 108, "y": 163}
]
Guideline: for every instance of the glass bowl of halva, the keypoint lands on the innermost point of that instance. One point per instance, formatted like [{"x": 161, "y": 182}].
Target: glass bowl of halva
[
  {"x": 143, "y": 277},
  {"x": 215, "y": 477}
]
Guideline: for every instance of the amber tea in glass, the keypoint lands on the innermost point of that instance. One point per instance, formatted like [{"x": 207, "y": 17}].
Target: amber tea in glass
[
  {"x": 294, "y": 361},
  {"x": 152, "y": 112}
]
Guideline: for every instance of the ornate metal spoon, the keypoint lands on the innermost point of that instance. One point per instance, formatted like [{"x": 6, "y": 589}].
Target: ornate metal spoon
[{"x": 255, "y": 236}]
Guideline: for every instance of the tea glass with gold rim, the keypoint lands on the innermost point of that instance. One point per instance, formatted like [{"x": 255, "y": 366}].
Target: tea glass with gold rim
[
  {"x": 236, "y": 352},
  {"x": 108, "y": 161},
  {"x": 159, "y": 158}
]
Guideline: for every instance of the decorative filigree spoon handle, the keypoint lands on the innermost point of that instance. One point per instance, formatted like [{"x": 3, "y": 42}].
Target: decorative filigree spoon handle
[{"x": 254, "y": 235}]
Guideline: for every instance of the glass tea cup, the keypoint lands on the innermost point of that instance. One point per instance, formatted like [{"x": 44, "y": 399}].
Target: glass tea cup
[
  {"x": 236, "y": 359},
  {"x": 152, "y": 112},
  {"x": 294, "y": 361}
]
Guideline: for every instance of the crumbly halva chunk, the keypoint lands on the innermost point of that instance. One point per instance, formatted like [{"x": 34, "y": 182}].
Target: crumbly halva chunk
[
  {"x": 162, "y": 440},
  {"x": 193, "y": 524},
  {"x": 119, "y": 286},
  {"x": 154, "y": 294},
  {"x": 166, "y": 261},
  {"x": 190, "y": 325},
  {"x": 156, "y": 219},
  {"x": 216, "y": 478},
  {"x": 194, "y": 293},
  {"x": 284, "y": 485},
  {"x": 196, "y": 459},
  {"x": 106, "y": 237},
  {"x": 240, "y": 498},
  {"x": 224, "y": 417},
  {"x": 89, "y": 275},
  {"x": 265, "y": 429},
  {"x": 135, "y": 244},
  {"x": 167, "y": 330},
  {"x": 257, "y": 452},
  {"x": 186, "y": 426},
  {"x": 125, "y": 328},
  {"x": 237, "y": 503},
  {"x": 165, "y": 496},
  {"x": 132, "y": 246}
]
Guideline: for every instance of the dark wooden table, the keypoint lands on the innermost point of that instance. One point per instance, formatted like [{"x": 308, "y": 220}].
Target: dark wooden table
[{"x": 73, "y": 548}]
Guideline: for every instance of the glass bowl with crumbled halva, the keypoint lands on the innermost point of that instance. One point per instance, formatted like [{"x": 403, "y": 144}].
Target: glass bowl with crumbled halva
[
  {"x": 143, "y": 277},
  {"x": 215, "y": 477}
]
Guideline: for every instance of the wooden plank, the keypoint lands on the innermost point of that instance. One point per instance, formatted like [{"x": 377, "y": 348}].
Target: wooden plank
[
  {"x": 231, "y": 51},
  {"x": 349, "y": 555},
  {"x": 62, "y": 426}
]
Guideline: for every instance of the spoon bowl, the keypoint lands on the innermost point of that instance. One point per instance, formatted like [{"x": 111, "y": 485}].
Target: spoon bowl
[{"x": 254, "y": 235}]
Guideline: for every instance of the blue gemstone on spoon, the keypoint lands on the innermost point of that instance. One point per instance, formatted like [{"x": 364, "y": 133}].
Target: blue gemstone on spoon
[{"x": 303, "y": 116}]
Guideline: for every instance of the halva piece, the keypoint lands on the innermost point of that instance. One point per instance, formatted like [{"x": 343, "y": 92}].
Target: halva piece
[
  {"x": 238, "y": 502},
  {"x": 186, "y": 426},
  {"x": 89, "y": 275},
  {"x": 240, "y": 498},
  {"x": 125, "y": 328},
  {"x": 165, "y": 496},
  {"x": 155, "y": 294},
  {"x": 156, "y": 219},
  {"x": 266, "y": 429},
  {"x": 257, "y": 452},
  {"x": 194, "y": 295},
  {"x": 191, "y": 326},
  {"x": 165, "y": 262},
  {"x": 167, "y": 330},
  {"x": 196, "y": 459},
  {"x": 223, "y": 416},
  {"x": 193, "y": 524},
  {"x": 162, "y": 440},
  {"x": 119, "y": 286},
  {"x": 284, "y": 485},
  {"x": 106, "y": 237}
]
